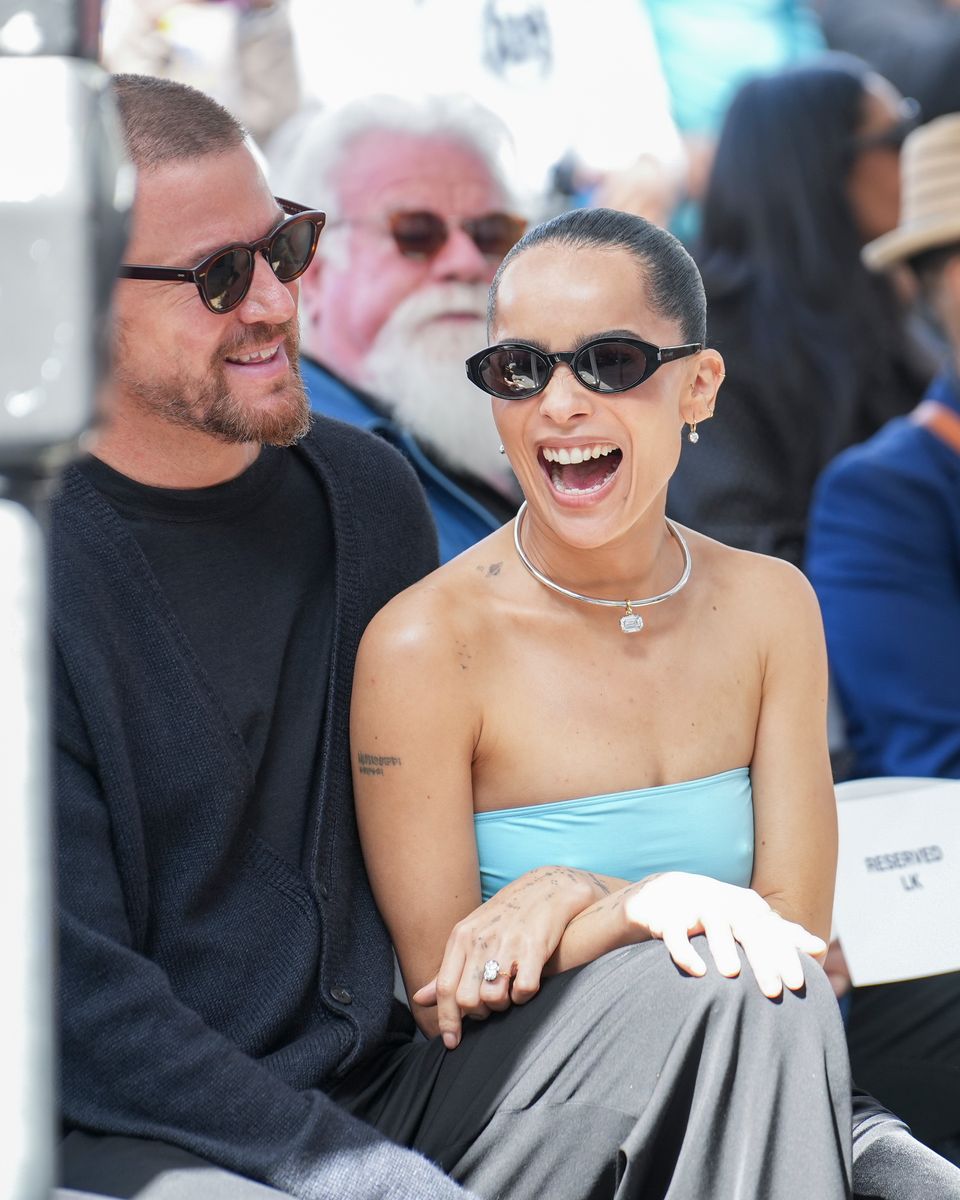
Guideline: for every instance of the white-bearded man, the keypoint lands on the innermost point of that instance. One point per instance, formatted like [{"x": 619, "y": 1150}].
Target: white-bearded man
[{"x": 420, "y": 214}]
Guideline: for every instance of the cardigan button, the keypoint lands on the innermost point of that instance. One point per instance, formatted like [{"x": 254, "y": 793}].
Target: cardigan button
[
  {"x": 324, "y": 891},
  {"x": 341, "y": 995}
]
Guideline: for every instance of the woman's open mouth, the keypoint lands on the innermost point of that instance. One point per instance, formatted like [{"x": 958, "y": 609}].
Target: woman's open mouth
[{"x": 580, "y": 470}]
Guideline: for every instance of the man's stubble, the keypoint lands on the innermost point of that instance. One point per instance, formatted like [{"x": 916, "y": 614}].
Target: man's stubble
[{"x": 207, "y": 405}]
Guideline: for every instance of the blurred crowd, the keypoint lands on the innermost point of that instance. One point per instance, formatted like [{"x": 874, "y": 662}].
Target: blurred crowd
[{"x": 767, "y": 134}]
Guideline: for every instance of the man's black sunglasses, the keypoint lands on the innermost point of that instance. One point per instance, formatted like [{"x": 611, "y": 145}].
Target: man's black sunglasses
[
  {"x": 514, "y": 370},
  {"x": 223, "y": 278}
]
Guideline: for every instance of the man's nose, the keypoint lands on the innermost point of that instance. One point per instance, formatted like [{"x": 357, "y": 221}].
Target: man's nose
[
  {"x": 460, "y": 259},
  {"x": 268, "y": 299}
]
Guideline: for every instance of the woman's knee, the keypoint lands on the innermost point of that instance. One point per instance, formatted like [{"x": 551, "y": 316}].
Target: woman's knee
[
  {"x": 813, "y": 1004},
  {"x": 636, "y": 975}
]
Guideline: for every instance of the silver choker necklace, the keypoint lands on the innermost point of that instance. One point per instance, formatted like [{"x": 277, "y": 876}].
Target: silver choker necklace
[{"x": 630, "y": 622}]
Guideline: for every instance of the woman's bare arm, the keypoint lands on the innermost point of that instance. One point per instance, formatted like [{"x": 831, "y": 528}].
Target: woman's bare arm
[
  {"x": 795, "y": 816},
  {"x": 413, "y": 728},
  {"x": 415, "y": 721}
]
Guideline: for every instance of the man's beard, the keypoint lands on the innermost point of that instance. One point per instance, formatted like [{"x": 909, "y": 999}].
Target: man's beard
[
  {"x": 415, "y": 368},
  {"x": 206, "y": 405}
]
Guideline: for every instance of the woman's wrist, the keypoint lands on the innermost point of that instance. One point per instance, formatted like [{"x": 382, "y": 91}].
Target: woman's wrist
[
  {"x": 572, "y": 890},
  {"x": 632, "y": 909}
]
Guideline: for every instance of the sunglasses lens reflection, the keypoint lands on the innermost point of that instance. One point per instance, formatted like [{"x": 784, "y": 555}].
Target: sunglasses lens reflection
[
  {"x": 292, "y": 249},
  {"x": 227, "y": 278},
  {"x": 610, "y": 366},
  {"x": 513, "y": 373}
]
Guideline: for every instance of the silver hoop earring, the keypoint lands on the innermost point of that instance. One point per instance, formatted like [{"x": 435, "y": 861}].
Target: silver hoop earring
[{"x": 693, "y": 436}]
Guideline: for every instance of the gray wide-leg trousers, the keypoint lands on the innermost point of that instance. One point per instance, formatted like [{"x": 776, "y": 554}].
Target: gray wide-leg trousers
[
  {"x": 623, "y": 1078},
  {"x": 627, "y": 1078}
]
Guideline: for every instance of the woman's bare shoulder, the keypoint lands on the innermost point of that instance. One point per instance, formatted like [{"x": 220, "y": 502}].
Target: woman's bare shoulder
[
  {"x": 767, "y": 592},
  {"x": 444, "y": 608}
]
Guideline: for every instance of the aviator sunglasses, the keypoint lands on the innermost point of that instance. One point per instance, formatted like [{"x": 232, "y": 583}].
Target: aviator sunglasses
[
  {"x": 514, "y": 370},
  {"x": 223, "y": 278},
  {"x": 423, "y": 234}
]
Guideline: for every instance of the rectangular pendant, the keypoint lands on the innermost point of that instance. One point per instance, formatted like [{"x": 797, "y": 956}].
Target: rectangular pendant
[{"x": 631, "y": 623}]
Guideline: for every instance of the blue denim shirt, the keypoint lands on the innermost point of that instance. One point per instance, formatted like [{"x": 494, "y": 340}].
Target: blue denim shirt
[{"x": 461, "y": 520}]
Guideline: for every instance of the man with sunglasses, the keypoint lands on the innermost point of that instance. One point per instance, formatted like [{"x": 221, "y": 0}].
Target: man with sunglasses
[
  {"x": 420, "y": 214},
  {"x": 213, "y": 564}
]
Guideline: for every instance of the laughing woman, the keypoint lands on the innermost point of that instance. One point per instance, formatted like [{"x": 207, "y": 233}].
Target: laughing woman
[{"x": 597, "y": 741}]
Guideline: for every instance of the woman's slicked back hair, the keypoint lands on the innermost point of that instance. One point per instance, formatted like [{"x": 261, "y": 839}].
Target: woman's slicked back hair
[{"x": 670, "y": 275}]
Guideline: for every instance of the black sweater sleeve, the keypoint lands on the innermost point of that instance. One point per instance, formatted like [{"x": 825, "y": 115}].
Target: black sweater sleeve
[{"x": 136, "y": 1061}]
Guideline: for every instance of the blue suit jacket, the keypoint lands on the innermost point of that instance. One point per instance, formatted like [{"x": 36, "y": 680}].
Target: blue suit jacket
[
  {"x": 884, "y": 556},
  {"x": 461, "y": 520}
]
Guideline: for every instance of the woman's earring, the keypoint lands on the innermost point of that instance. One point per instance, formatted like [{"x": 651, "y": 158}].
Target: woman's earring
[
  {"x": 693, "y": 436},
  {"x": 502, "y": 451}
]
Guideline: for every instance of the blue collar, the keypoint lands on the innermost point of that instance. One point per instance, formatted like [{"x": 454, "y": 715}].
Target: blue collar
[
  {"x": 337, "y": 399},
  {"x": 946, "y": 389}
]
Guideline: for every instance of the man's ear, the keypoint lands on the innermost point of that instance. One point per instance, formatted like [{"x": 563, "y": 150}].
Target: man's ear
[
  {"x": 310, "y": 291},
  {"x": 700, "y": 394}
]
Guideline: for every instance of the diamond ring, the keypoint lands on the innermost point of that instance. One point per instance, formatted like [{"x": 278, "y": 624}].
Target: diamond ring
[{"x": 492, "y": 970}]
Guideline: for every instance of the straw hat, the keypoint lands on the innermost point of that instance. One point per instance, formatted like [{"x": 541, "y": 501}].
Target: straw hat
[{"x": 930, "y": 195}]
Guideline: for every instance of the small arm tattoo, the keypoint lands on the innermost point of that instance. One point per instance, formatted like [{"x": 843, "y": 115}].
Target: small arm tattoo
[
  {"x": 597, "y": 882},
  {"x": 374, "y": 764}
]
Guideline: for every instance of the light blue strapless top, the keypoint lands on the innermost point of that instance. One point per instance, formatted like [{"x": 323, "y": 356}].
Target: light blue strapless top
[{"x": 701, "y": 825}]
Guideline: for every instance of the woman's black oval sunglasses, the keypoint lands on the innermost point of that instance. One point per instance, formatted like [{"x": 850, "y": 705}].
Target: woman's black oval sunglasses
[
  {"x": 223, "y": 278},
  {"x": 516, "y": 370}
]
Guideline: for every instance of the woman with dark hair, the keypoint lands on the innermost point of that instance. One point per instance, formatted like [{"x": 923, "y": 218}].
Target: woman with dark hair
[
  {"x": 806, "y": 172},
  {"x": 591, "y": 772}
]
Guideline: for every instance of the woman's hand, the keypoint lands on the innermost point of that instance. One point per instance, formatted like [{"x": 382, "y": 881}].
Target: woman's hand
[
  {"x": 518, "y": 929},
  {"x": 676, "y": 905}
]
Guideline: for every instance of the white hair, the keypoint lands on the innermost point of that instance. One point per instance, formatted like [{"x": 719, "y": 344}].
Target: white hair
[
  {"x": 415, "y": 369},
  {"x": 306, "y": 152}
]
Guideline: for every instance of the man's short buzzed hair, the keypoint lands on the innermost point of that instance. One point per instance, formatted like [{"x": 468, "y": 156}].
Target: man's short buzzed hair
[{"x": 164, "y": 121}]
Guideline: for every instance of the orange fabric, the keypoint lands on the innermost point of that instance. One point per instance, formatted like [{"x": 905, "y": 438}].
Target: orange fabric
[{"x": 940, "y": 420}]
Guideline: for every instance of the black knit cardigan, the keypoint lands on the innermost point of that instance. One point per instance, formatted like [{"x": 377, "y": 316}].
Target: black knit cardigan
[{"x": 209, "y": 990}]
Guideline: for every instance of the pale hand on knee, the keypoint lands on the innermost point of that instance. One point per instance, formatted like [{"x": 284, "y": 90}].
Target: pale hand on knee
[{"x": 675, "y": 906}]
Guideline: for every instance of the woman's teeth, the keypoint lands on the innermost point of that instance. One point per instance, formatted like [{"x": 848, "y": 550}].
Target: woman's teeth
[{"x": 577, "y": 454}]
